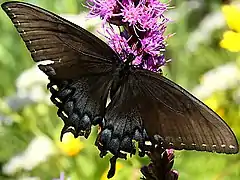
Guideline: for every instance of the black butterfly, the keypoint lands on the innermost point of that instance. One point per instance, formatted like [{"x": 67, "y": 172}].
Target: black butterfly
[{"x": 145, "y": 106}]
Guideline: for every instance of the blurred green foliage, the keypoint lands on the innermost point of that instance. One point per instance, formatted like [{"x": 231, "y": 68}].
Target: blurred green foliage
[{"x": 19, "y": 127}]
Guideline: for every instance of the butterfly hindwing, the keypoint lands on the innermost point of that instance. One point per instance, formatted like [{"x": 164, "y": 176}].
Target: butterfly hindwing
[
  {"x": 81, "y": 103},
  {"x": 122, "y": 124}
]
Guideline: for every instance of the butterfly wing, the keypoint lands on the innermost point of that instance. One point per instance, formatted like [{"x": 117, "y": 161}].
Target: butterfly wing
[
  {"x": 72, "y": 50},
  {"x": 168, "y": 113},
  {"x": 80, "y": 68}
]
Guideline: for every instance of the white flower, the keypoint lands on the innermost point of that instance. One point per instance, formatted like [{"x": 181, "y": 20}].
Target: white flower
[
  {"x": 32, "y": 84},
  {"x": 38, "y": 151},
  {"x": 219, "y": 79}
]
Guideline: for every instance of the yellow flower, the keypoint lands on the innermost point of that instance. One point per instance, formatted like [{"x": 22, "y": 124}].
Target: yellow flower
[
  {"x": 213, "y": 103},
  {"x": 231, "y": 39},
  {"x": 70, "y": 146},
  {"x": 118, "y": 167},
  {"x": 232, "y": 16}
]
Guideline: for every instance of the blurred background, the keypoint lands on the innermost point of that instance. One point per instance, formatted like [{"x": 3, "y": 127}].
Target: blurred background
[{"x": 205, "y": 54}]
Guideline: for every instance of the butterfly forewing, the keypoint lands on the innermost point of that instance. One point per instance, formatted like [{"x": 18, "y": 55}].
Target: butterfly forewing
[
  {"x": 72, "y": 50},
  {"x": 184, "y": 121}
]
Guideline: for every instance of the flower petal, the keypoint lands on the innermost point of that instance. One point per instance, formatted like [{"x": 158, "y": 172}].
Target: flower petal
[
  {"x": 231, "y": 41},
  {"x": 70, "y": 146},
  {"x": 232, "y": 16}
]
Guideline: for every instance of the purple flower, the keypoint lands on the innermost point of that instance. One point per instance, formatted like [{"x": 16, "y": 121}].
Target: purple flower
[
  {"x": 131, "y": 13},
  {"x": 153, "y": 44},
  {"x": 102, "y": 8},
  {"x": 141, "y": 26}
]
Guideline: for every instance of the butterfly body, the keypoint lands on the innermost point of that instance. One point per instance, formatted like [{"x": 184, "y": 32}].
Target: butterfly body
[{"x": 145, "y": 106}]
